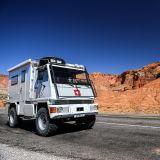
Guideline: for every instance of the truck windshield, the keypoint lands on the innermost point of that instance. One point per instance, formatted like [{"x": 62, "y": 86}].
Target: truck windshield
[{"x": 70, "y": 76}]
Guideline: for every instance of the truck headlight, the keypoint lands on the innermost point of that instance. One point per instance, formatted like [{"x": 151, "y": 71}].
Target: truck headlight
[
  {"x": 94, "y": 107},
  {"x": 62, "y": 109}
]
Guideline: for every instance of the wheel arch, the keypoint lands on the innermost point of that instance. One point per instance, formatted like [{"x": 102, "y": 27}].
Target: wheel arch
[{"x": 42, "y": 105}]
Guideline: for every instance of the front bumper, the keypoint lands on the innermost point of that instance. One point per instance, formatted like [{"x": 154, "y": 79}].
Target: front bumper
[
  {"x": 72, "y": 111},
  {"x": 72, "y": 116}
]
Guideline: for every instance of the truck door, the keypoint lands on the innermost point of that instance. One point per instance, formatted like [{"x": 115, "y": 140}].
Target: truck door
[{"x": 42, "y": 88}]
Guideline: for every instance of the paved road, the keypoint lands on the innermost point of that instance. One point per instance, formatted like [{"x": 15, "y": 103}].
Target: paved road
[{"x": 111, "y": 139}]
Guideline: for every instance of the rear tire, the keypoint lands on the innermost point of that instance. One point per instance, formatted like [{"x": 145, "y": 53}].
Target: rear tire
[
  {"x": 43, "y": 125},
  {"x": 13, "y": 118}
]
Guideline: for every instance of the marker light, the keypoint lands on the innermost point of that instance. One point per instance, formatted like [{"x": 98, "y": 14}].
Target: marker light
[{"x": 53, "y": 109}]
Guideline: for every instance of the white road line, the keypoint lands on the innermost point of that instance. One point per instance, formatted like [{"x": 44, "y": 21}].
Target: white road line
[{"x": 129, "y": 125}]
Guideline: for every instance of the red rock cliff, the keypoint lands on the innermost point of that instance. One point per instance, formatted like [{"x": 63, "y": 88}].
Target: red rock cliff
[
  {"x": 3, "y": 89},
  {"x": 132, "y": 91}
]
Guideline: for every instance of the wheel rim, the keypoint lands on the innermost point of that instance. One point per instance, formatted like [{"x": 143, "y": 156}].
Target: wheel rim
[
  {"x": 42, "y": 122},
  {"x": 11, "y": 118}
]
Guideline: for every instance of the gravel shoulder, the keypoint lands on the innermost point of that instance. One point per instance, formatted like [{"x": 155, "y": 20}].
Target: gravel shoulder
[{"x": 14, "y": 153}]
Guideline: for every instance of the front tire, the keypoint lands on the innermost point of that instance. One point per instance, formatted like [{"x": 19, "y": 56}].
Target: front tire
[
  {"x": 13, "y": 118},
  {"x": 43, "y": 125},
  {"x": 87, "y": 122}
]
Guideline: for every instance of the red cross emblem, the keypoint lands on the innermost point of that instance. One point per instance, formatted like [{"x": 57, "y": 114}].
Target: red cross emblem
[{"x": 77, "y": 92}]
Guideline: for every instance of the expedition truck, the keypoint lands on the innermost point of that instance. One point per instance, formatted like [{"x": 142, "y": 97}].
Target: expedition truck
[{"x": 50, "y": 91}]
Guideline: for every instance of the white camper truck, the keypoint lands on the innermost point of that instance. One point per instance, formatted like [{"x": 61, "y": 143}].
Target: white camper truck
[{"x": 50, "y": 91}]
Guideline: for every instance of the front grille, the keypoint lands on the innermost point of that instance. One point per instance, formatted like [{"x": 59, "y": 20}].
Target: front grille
[
  {"x": 80, "y": 109},
  {"x": 59, "y": 102}
]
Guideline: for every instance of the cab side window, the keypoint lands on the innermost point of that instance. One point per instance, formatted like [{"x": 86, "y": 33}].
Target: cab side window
[{"x": 43, "y": 76}]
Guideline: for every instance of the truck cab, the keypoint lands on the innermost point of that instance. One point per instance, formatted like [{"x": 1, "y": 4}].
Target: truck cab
[{"x": 50, "y": 91}]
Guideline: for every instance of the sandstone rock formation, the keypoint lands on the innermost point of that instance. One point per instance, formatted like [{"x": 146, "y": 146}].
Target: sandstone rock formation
[
  {"x": 135, "y": 91},
  {"x": 3, "y": 89}
]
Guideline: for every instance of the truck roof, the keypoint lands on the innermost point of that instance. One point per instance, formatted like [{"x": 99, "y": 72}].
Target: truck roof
[
  {"x": 67, "y": 65},
  {"x": 22, "y": 64}
]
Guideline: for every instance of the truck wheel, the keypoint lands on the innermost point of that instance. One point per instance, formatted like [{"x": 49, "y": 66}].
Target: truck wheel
[
  {"x": 13, "y": 118},
  {"x": 43, "y": 125},
  {"x": 87, "y": 122}
]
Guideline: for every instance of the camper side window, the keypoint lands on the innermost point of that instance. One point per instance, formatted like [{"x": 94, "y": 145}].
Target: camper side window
[
  {"x": 14, "y": 80},
  {"x": 23, "y": 73}
]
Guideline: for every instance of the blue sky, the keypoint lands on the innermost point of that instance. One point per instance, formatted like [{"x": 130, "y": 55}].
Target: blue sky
[{"x": 106, "y": 36}]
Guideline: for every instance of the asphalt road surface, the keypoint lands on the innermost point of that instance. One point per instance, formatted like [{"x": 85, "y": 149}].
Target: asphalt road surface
[{"x": 111, "y": 139}]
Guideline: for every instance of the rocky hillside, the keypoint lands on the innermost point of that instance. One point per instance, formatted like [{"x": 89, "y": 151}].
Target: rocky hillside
[
  {"x": 132, "y": 91},
  {"x": 3, "y": 89}
]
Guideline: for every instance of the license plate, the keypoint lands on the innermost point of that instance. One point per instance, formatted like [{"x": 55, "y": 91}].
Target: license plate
[{"x": 79, "y": 115}]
